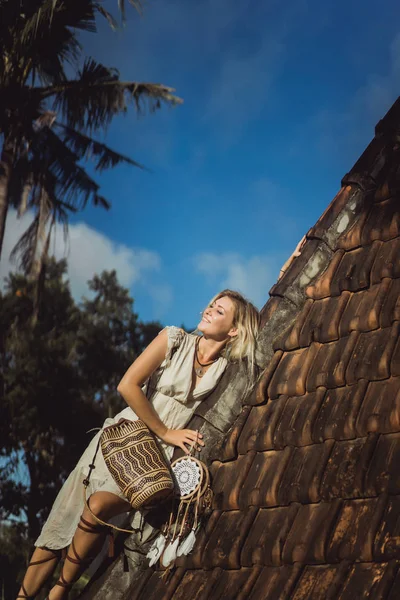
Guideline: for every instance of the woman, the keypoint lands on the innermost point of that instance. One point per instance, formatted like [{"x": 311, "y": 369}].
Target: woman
[{"x": 181, "y": 370}]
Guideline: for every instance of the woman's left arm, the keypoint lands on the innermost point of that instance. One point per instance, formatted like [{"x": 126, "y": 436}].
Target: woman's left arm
[{"x": 130, "y": 388}]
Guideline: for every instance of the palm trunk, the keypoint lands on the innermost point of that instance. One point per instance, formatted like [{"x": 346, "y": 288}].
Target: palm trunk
[{"x": 5, "y": 176}]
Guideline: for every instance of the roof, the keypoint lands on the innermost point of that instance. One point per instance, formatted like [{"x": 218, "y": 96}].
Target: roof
[{"x": 307, "y": 480}]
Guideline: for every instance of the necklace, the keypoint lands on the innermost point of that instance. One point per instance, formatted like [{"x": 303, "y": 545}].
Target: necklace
[{"x": 200, "y": 371}]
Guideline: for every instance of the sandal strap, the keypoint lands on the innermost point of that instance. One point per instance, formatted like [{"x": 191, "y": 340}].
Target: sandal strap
[
  {"x": 26, "y": 594},
  {"x": 90, "y": 527}
]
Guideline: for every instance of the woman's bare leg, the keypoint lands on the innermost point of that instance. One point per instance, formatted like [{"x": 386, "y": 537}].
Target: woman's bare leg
[
  {"x": 88, "y": 540},
  {"x": 41, "y": 567}
]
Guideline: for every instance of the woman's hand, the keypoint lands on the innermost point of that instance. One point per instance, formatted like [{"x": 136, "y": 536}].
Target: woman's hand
[{"x": 183, "y": 438}]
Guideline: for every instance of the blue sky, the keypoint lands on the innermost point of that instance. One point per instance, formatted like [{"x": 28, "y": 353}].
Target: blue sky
[{"x": 280, "y": 99}]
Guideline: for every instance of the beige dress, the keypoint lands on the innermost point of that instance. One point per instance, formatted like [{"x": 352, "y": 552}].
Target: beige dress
[{"x": 169, "y": 391}]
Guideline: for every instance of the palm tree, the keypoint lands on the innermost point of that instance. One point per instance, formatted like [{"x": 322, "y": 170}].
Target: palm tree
[{"x": 47, "y": 118}]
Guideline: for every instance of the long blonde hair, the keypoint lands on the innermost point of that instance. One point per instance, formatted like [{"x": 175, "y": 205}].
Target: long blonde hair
[{"x": 242, "y": 347}]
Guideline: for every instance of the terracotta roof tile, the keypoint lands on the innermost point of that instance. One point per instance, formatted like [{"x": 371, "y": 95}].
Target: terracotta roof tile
[
  {"x": 322, "y": 287},
  {"x": 227, "y": 538},
  {"x": 337, "y": 416},
  {"x": 380, "y": 409},
  {"x": 391, "y": 308},
  {"x": 229, "y": 449},
  {"x": 355, "y": 529},
  {"x": 275, "y": 582},
  {"x": 387, "y": 261},
  {"x": 309, "y": 535},
  {"x": 372, "y": 355},
  {"x": 366, "y": 580},
  {"x": 194, "y": 560},
  {"x": 294, "y": 427},
  {"x": 261, "y": 392},
  {"x": 303, "y": 473},
  {"x": 264, "y": 543},
  {"x": 320, "y": 582},
  {"x": 383, "y": 222},
  {"x": 345, "y": 471},
  {"x": 354, "y": 271},
  {"x": 291, "y": 374},
  {"x": 395, "y": 364},
  {"x": 387, "y": 540},
  {"x": 258, "y": 431},
  {"x": 363, "y": 309},
  {"x": 195, "y": 584},
  {"x": 352, "y": 237},
  {"x": 383, "y": 474},
  {"x": 291, "y": 341},
  {"x": 262, "y": 482},
  {"x": 228, "y": 482},
  {"x": 329, "y": 366},
  {"x": 322, "y": 322}
]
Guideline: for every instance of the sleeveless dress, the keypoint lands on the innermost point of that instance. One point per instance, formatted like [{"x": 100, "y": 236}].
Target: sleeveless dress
[{"x": 170, "y": 392}]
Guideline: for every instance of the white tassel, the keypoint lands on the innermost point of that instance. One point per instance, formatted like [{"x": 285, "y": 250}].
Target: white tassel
[
  {"x": 170, "y": 553},
  {"x": 187, "y": 545},
  {"x": 156, "y": 549}
]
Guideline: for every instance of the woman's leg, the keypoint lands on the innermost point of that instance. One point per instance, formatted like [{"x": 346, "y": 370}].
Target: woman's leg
[
  {"x": 88, "y": 540},
  {"x": 40, "y": 568}
]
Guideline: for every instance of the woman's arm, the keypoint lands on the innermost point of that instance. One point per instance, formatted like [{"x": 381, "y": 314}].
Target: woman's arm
[{"x": 130, "y": 389}]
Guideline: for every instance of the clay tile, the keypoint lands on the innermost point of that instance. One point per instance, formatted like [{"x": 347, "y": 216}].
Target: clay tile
[
  {"x": 195, "y": 584},
  {"x": 320, "y": 581},
  {"x": 260, "y": 395},
  {"x": 391, "y": 308},
  {"x": 229, "y": 447},
  {"x": 380, "y": 409},
  {"x": 322, "y": 323},
  {"x": 345, "y": 471},
  {"x": 386, "y": 263},
  {"x": 354, "y": 271},
  {"x": 329, "y": 367},
  {"x": 355, "y": 529},
  {"x": 258, "y": 431},
  {"x": 302, "y": 476},
  {"x": 395, "y": 364},
  {"x": 230, "y": 585},
  {"x": 228, "y": 482},
  {"x": 351, "y": 238},
  {"x": 309, "y": 535},
  {"x": 372, "y": 355},
  {"x": 157, "y": 587},
  {"x": 322, "y": 287},
  {"x": 366, "y": 580},
  {"x": 296, "y": 421},
  {"x": 387, "y": 540},
  {"x": 227, "y": 538},
  {"x": 337, "y": 416},
  {"x": 275, "y": 582},
  {"x": 195, "y": 559},
  {"x": 383, "y": 472},
  {"x": 290, "y": 376},
  {"x": 292, "y": 339},
  {"x": 264, "y": 543},
  {"x": 269, "y": 309},
  {"x": 363, "y": 310},
  {"x": 383, "y": 222},
  {"x": 263, "y": 479},
  {"x": 331, "y": 213}
]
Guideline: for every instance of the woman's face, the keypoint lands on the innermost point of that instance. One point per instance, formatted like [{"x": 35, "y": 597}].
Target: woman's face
[{"x": 217, "y": 319}]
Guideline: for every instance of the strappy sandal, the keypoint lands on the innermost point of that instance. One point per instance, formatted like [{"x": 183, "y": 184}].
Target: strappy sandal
[
  {"x": 76, "y": 559},
  {"x": 56, "y": 554}
]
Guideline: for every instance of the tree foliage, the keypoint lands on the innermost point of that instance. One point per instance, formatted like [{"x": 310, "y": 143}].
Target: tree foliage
[{"x": 58, "y": 380}]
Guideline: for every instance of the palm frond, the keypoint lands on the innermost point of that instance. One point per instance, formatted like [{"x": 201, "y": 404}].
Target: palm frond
[
  {"x": 137, "y": 4},
  {"x": 87, "y": 148},
  {"x": 91, "y": 101}
]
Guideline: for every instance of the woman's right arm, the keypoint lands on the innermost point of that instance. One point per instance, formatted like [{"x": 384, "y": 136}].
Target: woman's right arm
[{"x": 130, "y": 389}]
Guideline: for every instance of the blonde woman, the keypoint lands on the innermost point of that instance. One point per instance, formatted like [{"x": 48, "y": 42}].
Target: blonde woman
[{"x": 181, "y": 369}]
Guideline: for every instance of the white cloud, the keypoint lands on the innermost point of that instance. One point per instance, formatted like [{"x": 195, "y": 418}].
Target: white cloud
[
  {"x": 252, "y": 276},
  {"x": 88, "y": 252}
]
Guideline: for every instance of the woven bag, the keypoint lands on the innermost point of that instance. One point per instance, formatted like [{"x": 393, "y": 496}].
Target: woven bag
[{"x": 136, "y": 463}]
